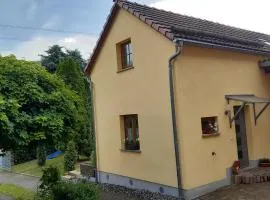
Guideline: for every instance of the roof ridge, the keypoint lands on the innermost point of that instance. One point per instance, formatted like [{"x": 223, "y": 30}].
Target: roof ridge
[{"x": 193, "y": 17}]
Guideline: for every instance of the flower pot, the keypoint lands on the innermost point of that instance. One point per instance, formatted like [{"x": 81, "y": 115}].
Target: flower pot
[{"x": 264, "y": 164}]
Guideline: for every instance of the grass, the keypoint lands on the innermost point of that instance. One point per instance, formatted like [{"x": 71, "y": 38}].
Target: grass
[
  {"x": 16, "y": 192},
  {"x": 32, "y": 168}
]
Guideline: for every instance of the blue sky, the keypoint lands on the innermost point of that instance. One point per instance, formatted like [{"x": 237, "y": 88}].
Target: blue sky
[{"x": 88, "y": 16}]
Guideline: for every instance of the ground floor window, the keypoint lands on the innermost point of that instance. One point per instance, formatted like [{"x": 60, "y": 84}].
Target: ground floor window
[
  {"x": 131, "y": 132},
  {"x": 209, "y": 125}
]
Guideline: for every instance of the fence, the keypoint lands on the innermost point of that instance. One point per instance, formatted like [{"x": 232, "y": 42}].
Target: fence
[{"x": 5, "y": 161}]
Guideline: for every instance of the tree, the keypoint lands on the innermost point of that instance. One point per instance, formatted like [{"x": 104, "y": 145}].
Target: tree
[
  {"x": 70, "y": 158},
  {"x": 41, "y": 155},
  {"x": 53, "y": 57},
  {"x": 76, "y": 55},
  {"x": 69, "y": 71},
  {"x": 55, "y": 54},
  {"x": 35, "y": 106}
]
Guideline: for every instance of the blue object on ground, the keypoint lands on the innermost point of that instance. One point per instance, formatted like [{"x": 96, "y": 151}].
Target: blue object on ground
[{"x": 54, "y": 154}]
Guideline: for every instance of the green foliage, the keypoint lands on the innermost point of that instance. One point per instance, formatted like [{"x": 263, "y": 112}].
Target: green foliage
[
  {"x": 16, "y": 192},
  {"x": 53, "y": 57},
  {"x": 23, "y": 155},
  {"x": 71, "y": 156},
  {"x": 93, "y": 159},
  {"x": 70, "y": 71},
  {"x": 32, "y": 168},
  {"x": 51, "y": 176},
  {"x": 75, "y": 191},
  {"x": 35, "y": 106},
  {"x": 55, "y": 54},
  {"x": 41, "y": 155},
  {"x": 76, "y": 55}
]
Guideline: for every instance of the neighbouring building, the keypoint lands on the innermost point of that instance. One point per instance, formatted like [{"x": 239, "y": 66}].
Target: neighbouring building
[{"x": 177, "y": 100}]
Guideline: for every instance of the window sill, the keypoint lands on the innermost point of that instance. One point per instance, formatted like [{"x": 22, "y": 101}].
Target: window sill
[
  {"x": 210, "y": 135},
  {"x": 130, "y": 151},
  {"x": 122, "y": 70}
]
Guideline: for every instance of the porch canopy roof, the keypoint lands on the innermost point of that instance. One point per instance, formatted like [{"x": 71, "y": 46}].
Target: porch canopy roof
[{"x": 248, "y": 99}]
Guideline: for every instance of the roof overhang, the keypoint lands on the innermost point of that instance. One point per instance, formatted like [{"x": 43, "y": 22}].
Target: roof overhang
[{"x": 247, "y": 99}]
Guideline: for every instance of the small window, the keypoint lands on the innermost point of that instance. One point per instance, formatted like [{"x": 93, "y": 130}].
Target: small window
[
  {"x": 131, "y": 133},
  {"x": 124, "y": 55},
  {"x": 209, "y": 126}
]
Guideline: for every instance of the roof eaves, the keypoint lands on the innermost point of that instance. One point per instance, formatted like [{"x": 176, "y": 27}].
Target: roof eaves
[{"x": 222, "y": 46}]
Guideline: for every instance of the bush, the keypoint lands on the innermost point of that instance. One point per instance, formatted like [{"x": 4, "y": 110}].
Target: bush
[
  {"x": 51, "y": 176},
  {"x": 70, "y": 157},
  {"x": 75, "y": 191},
  {"x": 41, "y": 155},
  {"x": 24, "y": 154},
  {"x": 93, "y": 159}
]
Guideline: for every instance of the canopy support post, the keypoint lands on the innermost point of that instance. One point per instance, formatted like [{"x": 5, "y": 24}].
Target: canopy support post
[
  {"x": 254, "y": 113},
  {"x": 261, "y": 111}
]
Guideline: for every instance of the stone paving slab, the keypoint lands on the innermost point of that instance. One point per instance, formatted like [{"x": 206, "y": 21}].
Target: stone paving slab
[
  {"x": 2, "y": 197},
  {"x": 258, "y": 191}
]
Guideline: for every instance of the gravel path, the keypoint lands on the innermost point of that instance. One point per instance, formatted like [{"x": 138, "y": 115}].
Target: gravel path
[
  {"x": 24, "y": 181},
  {"x": 5, "y": 197}
]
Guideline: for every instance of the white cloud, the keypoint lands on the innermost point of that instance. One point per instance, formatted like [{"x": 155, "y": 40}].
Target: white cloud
[
  {"x": 247, "y": 14},
  {"x": 31, "y": 49},
  {"x": 68, "y": 40}
]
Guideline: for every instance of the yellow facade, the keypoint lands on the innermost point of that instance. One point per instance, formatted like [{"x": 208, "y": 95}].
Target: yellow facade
[
  {"x": 143, "y": 91},
  {"x": 202, "y": 78}
]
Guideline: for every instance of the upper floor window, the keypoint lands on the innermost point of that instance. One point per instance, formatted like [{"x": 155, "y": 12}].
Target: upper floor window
[{"x": 124, "y": 55}]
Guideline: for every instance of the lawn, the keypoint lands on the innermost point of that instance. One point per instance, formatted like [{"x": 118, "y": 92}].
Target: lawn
[
  {"x": 16, "y": 192},
  {"x": 32, "y": 168}
]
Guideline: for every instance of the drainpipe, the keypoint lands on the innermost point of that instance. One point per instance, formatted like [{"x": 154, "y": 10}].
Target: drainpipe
[{"x": 179, "y": 46}]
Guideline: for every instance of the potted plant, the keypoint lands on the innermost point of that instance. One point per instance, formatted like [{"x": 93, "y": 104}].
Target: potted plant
[
  {"x": 236, "y": 167},
  {"x": 264, "y": 162},
  {"x": 132, "y": 145}
]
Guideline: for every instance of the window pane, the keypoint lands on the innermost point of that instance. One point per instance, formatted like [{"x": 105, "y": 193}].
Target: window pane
[
  {"x": 130, "y": 50},
  {"x": 126, "y": 55},
  {"x": 130, "y": 60},
  {"x": 131, "y": 132}
]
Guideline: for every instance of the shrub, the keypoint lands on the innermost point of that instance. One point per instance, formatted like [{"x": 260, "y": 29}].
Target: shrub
[
  {"x": 41, "y": 155},
  {"x": 93, "y": 159},
  {"x": 23, "y": 155},
  {"x": 51, "y": 176},
  {"x": 70, "y": 157},
  {"x": 75, "y": 191}
]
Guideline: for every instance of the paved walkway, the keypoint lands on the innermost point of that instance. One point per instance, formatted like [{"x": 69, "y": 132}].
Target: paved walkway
[
  {"x": 257, "y": 191},
  {"x": 5, "y": 198},
  {"x": 24, "y": 181}
]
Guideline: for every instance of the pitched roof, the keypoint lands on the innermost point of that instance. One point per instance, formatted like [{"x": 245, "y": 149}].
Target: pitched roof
[{"x": 189, "y": 29}]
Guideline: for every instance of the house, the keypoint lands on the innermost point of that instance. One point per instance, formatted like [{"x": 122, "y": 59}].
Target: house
[{"x": 177, "y": 100}]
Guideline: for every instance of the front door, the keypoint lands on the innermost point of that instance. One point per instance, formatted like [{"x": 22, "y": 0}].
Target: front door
[{"x": 241, "y": 137}]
